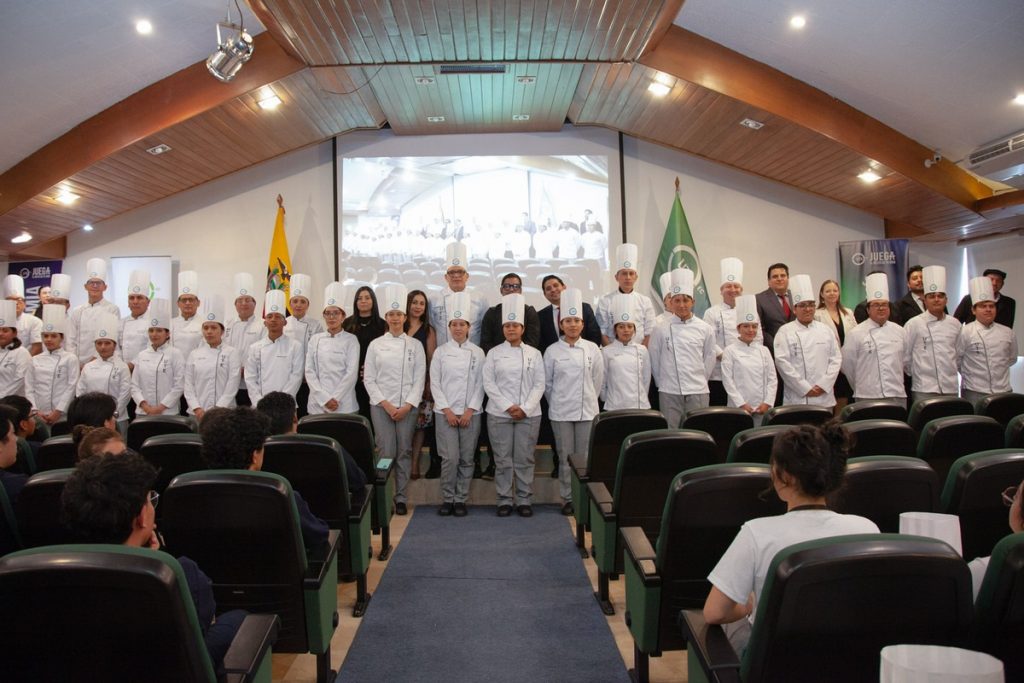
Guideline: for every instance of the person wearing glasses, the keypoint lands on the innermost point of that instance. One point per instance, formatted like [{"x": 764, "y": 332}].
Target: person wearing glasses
[
  {"x": 81, "y": 327},
  {"x": 457, "y": 277},
  {"x": 491, "y": 334},
  {"x": 108, "y": 499},
  {"x": 929, "y": 354},
  {"x": 985, "y": 350},
  {"x": 873, "y": 352},
  {"x": 1012, "y": 500},
  {"x": 332, "y": 360},
  {"x": 807, "y": 353},
  {"x": 158, "y": 380}
]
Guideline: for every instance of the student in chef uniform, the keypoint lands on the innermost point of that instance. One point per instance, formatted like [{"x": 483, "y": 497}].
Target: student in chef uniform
[
  {"x": 80, "y": 330},
  {"x": 246, "y": 329},
  {"x": 59, "y": 293},
  {"x": 275, "y": 362},
  {"x": 158, "y": 379},
  {"x": 394, "y": 373},
  {"x": 456, "y": 276},
  {"x": 15, "y": 360},
  {"x": 332, "y": 361},
  {"x": 214, "y": 369},
  {"x": 807, "y": 354},
  {"x": 134, "y": 332},
  {"x": 748, "y": 371},
  {"x": 985, "y": 349},
  {"x": 722, "y": 318},
  {"x": 574, "y": 375},
  {"x": 929, "y": 352},
  {"x": 627, "y": 364},
  {"x": 626, "y": 277},
  {"x": 30, "y": 328},
  {"x": 301, "y": 327},
  {"x": 187, "y": 328},
  {"x": 514, "y": 383},
  {"x": 873, "y": 352},
  {"x": 665, "y": 287},
  {"x": 684, "y": 355},
  {"x": 54, "y": 371},
  {"x": 107, "y": 372},
  {"x": 456, "y": 383}
]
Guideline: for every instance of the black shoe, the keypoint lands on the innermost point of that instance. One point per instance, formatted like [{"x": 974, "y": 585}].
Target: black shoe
[
  {"x": 525, "y": 511},
  {"x": 433, "y": 473},
  {"x": 568, "y": 510},
  {"x": 460, "y": 510},
  {"x": 446, "y": 510},
  {"x": 400, "y": 509},
  {"x": 504, "y": 510},
  {"x": 488, "y": 474}
]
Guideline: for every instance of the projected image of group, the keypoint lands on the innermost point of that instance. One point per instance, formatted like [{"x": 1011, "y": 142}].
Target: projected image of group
[{"x": 532, "y": 215}]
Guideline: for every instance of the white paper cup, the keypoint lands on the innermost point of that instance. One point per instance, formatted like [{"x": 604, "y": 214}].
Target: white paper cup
[
  {"x": 938, "y": 664},
  {"x": 933, "y": 525}
]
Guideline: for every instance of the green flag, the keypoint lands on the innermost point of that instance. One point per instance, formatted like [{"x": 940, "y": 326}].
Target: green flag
[{"x": 678, "y": 251}]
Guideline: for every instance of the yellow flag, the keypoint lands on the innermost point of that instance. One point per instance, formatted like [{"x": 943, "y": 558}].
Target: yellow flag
[{"x": 279, "y": 266}]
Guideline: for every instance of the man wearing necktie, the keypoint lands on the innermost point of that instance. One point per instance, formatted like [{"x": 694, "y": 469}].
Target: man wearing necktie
[{"x": 775, "y": 304}]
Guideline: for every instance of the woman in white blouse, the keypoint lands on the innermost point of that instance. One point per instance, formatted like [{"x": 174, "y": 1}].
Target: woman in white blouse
[{"x": 840, "y": 319}]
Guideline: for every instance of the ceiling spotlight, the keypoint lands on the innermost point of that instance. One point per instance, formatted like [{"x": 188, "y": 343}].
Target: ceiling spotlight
[
  {"x": 659, "y": 89},
  {"x": 270, "y": 103},
  {"x": 144, "y": 27},
  {"x": 159, "y": 149},
  {"x": 869, "y": 176},
  {"x": 234, "y": 48},
  {"x": 798, "y": 21},
  {"x": 87, "y": 227},
  {"x": 520, "y": 117},
  {"x": 66, "y": 197},
  {"x": 25, "y": 236},
  {"x": 435, "y": 119},
  {"x": 752, "y": 124},
  {"x": 1019, "y": 99}
]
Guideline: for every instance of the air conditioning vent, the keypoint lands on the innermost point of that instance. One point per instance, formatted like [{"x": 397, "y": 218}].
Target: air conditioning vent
[
  {"x": 995, "y": 150},
  {"x": 472, "y": 68},
  {"x": 1002, "y": 161}
]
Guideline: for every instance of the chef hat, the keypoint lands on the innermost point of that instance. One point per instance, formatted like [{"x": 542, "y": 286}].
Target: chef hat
[
  {"x": 513, "y": 308},
  {"x": 300, "y": 285},
  {"x": 274, "y": 303},
  {"x": 106, "y": 327},
  {"x": 934, "y": 278},
  {"x": 981, "y": 289},
  {"x": 138, "y": 283},
  {"x": 14, "y": 286},
  {"x": 335, "y": 295},
  {"x": 96, "y": 269},
  {"x": 188, "y": 283},
  {"x": 624, "y": 309},
  {"x": 665, "y": 284},
  {"x": 682, "y": 282},
  {"x": 801, "y": 289},
  {"x": 9, "y": 314},
  {"x": 393, "y": 298},
  {"x": 571, "y": 304},
  {"x": 242, "y": 285},
  {"x": 732, "y": 270},
  {"x": 60, "y": 286},
  {"x": 160, "y": 313},
  {"x": 746, "y": 309},
  {"x": 455, "y": 256},
  {"x": 212, "y": 310},
  {"x": 460, "y": 305},
  {"x": 54, "y": 318},
  {"x": 877, "y": 286},
  {"x": 626, "y": 257}
]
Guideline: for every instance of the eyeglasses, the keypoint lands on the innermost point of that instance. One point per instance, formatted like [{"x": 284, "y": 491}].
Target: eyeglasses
[
  {"x": 456, "y": 273},
  {"x": 154, "y": 498},
  {"x": 879, "y": 305},
  {"x": 1009, "y": 495},
  {"x": 332, "y": 314},
  {"x": 511, "y": 286}
]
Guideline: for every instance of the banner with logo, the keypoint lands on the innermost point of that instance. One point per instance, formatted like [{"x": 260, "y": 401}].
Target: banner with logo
[
  {"x": 36, "y": 274},
  {"x": 860, "y": 258}
]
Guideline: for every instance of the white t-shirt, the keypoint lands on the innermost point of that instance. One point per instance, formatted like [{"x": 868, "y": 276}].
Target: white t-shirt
[
  {"x": 978, "y": 567},
  {"x": 744, "y": 566}
]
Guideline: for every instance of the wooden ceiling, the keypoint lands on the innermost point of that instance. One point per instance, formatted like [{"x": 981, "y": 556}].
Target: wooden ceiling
[{"x": 340, "y": 66}]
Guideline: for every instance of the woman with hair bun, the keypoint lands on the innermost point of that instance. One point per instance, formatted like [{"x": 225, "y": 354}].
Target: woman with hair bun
[{"x": 807, "y": 464}]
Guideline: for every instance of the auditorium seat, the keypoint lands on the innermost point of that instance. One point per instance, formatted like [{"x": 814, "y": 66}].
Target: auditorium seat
[
  {"x": 999, "y": 609},
  {"x": 242, "y": 528},
  {"x": 880, "y": 487},
  {"x": 1001, "y": 407},
  {"x": 10, "y": 540},
  {"x": 1014, "y": 437},
  {"x": 829, "y": 606},
  {"x": 171, "y": 455},
  {"x": 755, "y": 445},
  {"x": 927, "y": 409},
  {"x": 38, "y": 509},
  {"x": 797, "y": 415},
  {"x": 314, "y": 467},
  {"x": 947, "y": 438},
  {"x": 873, "y": 410},
  {"x": 354, "y": 434},
  {"x": 648, "y": 463},
  {"x": 114, "y": 613},
  {"x": 704, "y": 510},
  {"x": 608, "y": 430},
  {"x": 721, "y": 423},
  {"x": 145, "y": 426},
  {"x": 60, "y": 428},
  {"x": 881, "y": 437},
  {"x": 973, "y": 492},
  {"x": 56, "y": 453}
]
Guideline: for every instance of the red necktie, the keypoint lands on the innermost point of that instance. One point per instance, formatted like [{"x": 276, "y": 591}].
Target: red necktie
[{"x": 786, "y": 311}]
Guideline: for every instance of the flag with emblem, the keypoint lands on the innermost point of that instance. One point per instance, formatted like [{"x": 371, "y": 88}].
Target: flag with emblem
[
  {"x": 679, "y": 251},
  {"x": 279, "y": 266}
]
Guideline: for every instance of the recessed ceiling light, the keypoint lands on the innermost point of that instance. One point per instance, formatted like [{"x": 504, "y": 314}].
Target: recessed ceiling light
[
  {"x": 144, "y": 27},
  {"x": 526, "y": 80},
  {"x": 424, "y": 80},
  {"x": 270, "y": 103},
  {"x": 87, "y": 227},
  {"x": 869, "y": 176},
  {"x": 659, "y": 89},
  {"x": 25, "y": 236},
  {"x": 752, "y": 124},
  {"x": 158, "y": 149},
  {"x": 520, "y": 117},
  {"x": 1019, "y": 99},
  {"x": 798, "y": 21},
  {"x": 66, "y": 197},
  {"x": 435, "y": 119}
]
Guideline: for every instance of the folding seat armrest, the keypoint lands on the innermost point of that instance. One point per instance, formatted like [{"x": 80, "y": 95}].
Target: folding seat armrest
[
  {"x": 641, "y": 555},
  {"x": 709, "y": 644},
  {"x": 602, "y": 499},
  {"x": 359, "y": 503},
  {"x": 251, "y": 644},
  {"x": 381, "y": 474},
  {"x": 320, "y": 559},
  {"x": 578, "y": 461}
]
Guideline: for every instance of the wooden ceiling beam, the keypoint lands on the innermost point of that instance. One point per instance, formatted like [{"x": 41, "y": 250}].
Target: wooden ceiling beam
[
  {"x": 1001, "y": 205},
  {"x": 172, "y": 100},
  {"x": 670, "y": 9},
  {"x": 696, "y": 59}
]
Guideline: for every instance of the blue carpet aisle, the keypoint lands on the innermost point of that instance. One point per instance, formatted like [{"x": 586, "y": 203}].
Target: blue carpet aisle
[{"x": 484, "y": 599}]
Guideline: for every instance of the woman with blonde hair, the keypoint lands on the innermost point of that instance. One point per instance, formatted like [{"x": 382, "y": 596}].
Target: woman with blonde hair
[{"x": 831, "y": 312}]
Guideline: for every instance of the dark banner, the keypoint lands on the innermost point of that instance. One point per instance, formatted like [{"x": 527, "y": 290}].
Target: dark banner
[
  {"x": 36, "y": 274},
  {"x": 858, "y": 259}
]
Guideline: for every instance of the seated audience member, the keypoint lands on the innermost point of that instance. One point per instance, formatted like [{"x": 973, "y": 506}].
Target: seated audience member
[
  {"x": 808, "y": 463},
  {"x": 1012, "y": 498},
  {"x": 284, "y": 419},
  {"x": 25, "y": 427},
  {"x": 233, "y": 440},
  {"x": 93, "y": 409},
  {"x": 109, "y": 500},
  {"x": 13, "y": 483},
  {"x": 97, "y": 441}
]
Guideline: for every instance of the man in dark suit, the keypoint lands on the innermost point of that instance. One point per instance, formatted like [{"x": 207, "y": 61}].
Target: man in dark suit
[
  {"x": 775, "y": 305},
  {"x": 552, "y": 286},
  {"x": 1006, "y": 307},
  {"x": 912, "y": 303},
  {"x": 491, "y": 334}
]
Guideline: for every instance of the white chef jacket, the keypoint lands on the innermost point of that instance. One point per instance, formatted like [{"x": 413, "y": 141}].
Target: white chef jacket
[
  {"x": 984, "y": 356},
  {"x": 303, "y": 330},
  {"x": 159, "y": 377},
  {"x": 873, "y": 360},
  {"x": 807, "y": 355},
  {"x": 513, "y": 376},
  {"x": 929, "y": 353},
  {"x": 54, "y": 374},
  {"x": 15, "y": 377},
  {"x": 627, "y": 376},
  {"x": 457, "y": 377},
  {"x": 30, "y": 329},
  {"x": 211, "y": 377},
  {"x": 748, "y": 374},
  {"x": 642, "y": 302},
  {"x": 439, "y": 314},
  {"x": 241, "y": 334},
  {"x": 82, "y": 324},
  {"x": 395, "y": 370},
  {"x": 722, "y": 318},
  {"x": 332, "y": 369},
  {"x": 682, "y": 355},
  {"x": 573, "y": 377},
  {"x": 186, "y": 335},
  {"x": 273, "y": 365},
  {"x": 111, "y": 377},
  {"x": 133, "y": 337}
]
